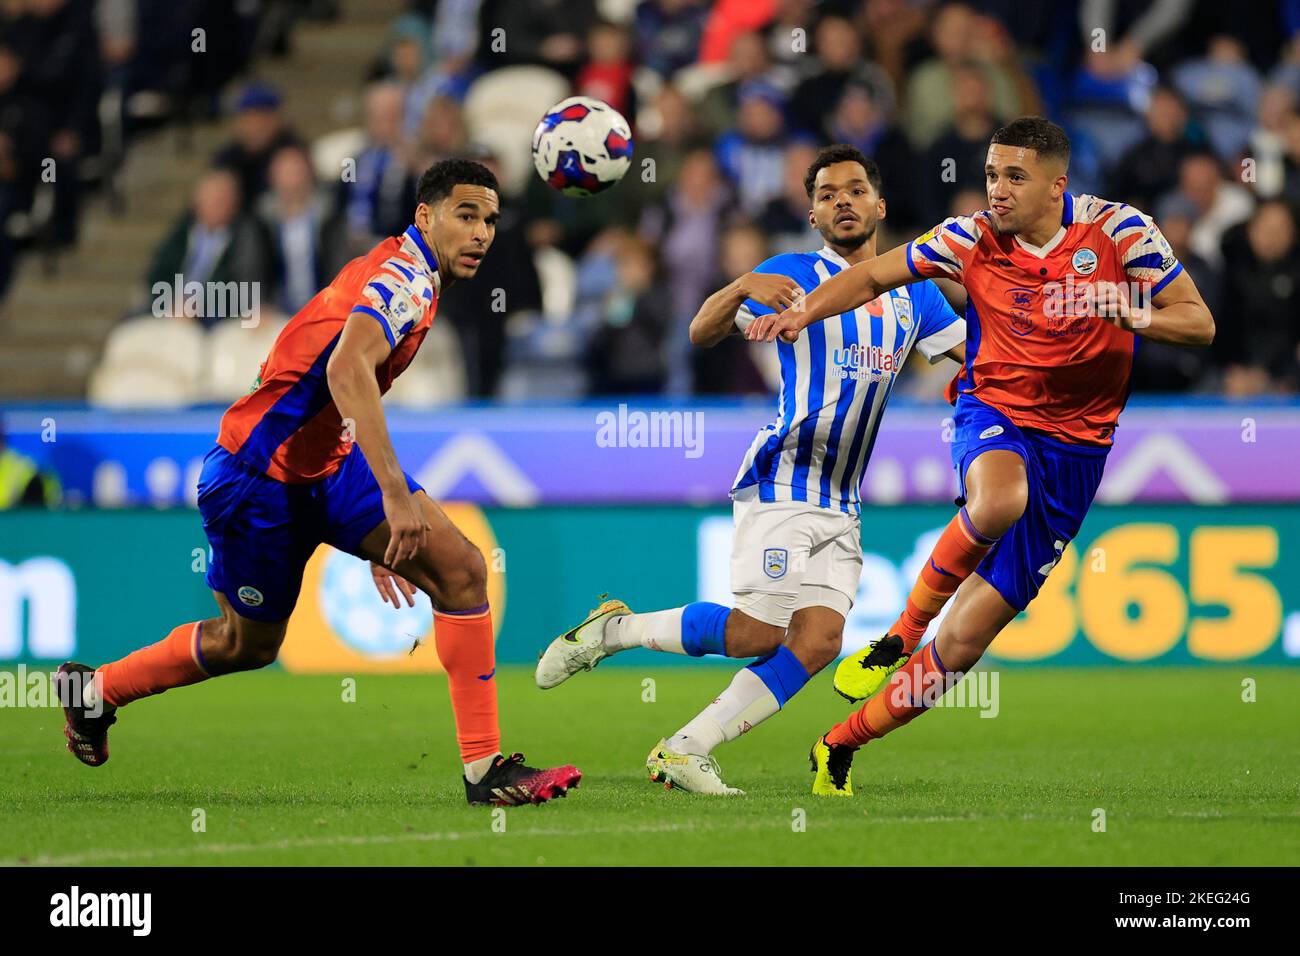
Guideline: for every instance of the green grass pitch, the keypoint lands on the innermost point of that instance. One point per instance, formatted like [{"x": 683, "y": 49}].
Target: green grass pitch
[{"x": 285, "y": 772}]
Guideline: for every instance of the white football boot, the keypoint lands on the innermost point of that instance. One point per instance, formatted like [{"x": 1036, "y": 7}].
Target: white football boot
[
  {"x": 690, "y": 772},
  {"x": 579, "y": 649}
]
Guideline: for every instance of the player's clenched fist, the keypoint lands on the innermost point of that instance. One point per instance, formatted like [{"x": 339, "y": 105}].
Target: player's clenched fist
[{"x": 774, "y": 291}]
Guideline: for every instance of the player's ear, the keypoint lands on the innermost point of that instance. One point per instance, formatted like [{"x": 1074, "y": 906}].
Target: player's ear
[
  {"x": 424, "y": 217},
  {"x": 880, "y": 208},
  {"x": 812, "y": 219}
]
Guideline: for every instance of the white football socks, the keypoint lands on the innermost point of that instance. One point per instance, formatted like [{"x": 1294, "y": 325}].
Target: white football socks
[
  {"x": 745, "y": 704},
  {"x": 657, "y": 630}
]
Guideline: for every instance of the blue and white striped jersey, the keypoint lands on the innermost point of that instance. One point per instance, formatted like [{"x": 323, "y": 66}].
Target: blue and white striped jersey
[{"x": 835, "y": 382}]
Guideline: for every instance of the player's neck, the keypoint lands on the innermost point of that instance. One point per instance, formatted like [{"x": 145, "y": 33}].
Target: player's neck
[
  {"x": 1042, "y": 231},
  {"x": 853, "y": 256}
]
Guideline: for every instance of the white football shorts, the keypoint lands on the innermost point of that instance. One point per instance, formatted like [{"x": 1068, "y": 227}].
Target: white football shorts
[{"x": 788, "y": 555}]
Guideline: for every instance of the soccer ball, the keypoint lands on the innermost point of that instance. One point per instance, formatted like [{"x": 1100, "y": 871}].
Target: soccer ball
[{"x": 582, "y": 146}]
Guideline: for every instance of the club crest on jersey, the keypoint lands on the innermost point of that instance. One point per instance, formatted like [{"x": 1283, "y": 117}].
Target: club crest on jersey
[
  {"x": 993, "y": 431},
  {"x": 1020, "y": 306},
  {"x": 1084, "y": 261},
  {"x": 774, "y": 562},
  {"x": 250, "y": 596},
  {"x": 903, "y": 311}
]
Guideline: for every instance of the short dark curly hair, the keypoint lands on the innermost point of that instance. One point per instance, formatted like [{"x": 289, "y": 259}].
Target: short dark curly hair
[
  {"x": 841, "y": 153},
  {"x": 1034, "y": 132},
  {"x": 438, "y": 179}
]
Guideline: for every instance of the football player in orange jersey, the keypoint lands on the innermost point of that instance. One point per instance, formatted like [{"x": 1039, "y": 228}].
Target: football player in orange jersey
[
  {"x": 1059, "y": 289},
  {"x": 305, "y": 459}
]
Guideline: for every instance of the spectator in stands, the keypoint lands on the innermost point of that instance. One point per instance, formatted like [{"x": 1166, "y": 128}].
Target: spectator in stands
[
  {"x": 406, "y": 68},
  {"x": 1220, "y": 204},
  {"x": 1151, "y": 164},
  {"x": 379, "y": 199},
  {"x": 749, "y": 60},
  {"x": 839, "y": 61},
  {"x": 959, "y": 35},
  {"x": 1260, "y": 337},
  {"x": 61, "y": 69},
  {"x": 890, "y": 30},
  {"x": 1224, "y": 87},
  {"x": 1268, "y": 140},
  {"x": 1158, "y": 367},
  {"x": 442, "y": 133},
  {"x": 686, "y": 228},
  {"x": 729, "y": 368},
  {"x": 212, "y": 242},
  {"x": 668, "y": 33},
  {"x": 784, "y": 220},
  {"x": 1291, "y": 156},
  {"x": 666, "y": 133},
  {"x": 788, "y": 35},
  {"x": 542, "y": 32},
  {"x": 260, "y": 131},
  {"x": 1128, "y": 32},
  {"x": 956, "y": 159},
  {"x": 607, "y": 75},
  {"x": 24, "y": 135},
  {"x": 626, "y": 355},
  {"x": 308, "y": 236},
  {"x": 752, "y": 154}
]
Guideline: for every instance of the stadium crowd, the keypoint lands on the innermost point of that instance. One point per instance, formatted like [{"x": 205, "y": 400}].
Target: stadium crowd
[{"x": 1189, "y": 109}]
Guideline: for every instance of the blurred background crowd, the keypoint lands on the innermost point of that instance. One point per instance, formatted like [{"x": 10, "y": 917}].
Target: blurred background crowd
[{"x": 1189, "y": 109}]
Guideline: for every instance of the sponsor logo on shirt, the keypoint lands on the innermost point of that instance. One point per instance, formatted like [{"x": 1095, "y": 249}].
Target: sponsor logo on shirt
[{"x": 866, "y": 361}]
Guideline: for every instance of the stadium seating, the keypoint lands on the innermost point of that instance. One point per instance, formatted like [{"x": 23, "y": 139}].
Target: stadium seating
[
  {"x": 501, "y": 111},
  {"x": 233, "y": 353},
  {"x": 436, "y": 376}
]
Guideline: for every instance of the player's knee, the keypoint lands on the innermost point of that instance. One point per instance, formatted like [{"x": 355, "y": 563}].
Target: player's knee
[
  {"x": 464, "y": 584},
  {"x": 255, "y": 654},
  {"x": 749, "y": 637},
  {"x": 995, "y": 510},
  {"x": 228, "y": 647}
]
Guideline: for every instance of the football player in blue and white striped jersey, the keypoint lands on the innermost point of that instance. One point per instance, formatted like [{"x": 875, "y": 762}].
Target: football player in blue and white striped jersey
[{"x": 796, "y": 554}]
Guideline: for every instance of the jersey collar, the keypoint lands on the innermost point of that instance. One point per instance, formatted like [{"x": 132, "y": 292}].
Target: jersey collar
[
  {"x": 826, "y": 252},
  {"x": 414, "y": 243},
  {"x": 1067, "y": 218}
]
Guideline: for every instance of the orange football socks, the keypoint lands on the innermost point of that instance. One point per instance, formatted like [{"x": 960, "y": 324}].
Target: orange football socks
[
  {"x": 956, "y": 554},
  {"x": 914, "y": 688},
  {"x": 468, "y": 654},
  {"x": 174, "y": 661}
]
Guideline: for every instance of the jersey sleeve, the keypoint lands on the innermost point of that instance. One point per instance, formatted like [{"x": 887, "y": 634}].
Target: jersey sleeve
[
  {"x": 1144, "y": 251},
  {"x": 944, "y": 251},
  {"x": 783, "y": 265},
  {"x": 397, "y": 297},
  {"x": 939, "y": 327}
]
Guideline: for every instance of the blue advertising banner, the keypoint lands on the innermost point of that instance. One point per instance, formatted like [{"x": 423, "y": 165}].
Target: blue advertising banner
[{"x": 649, "y": 452}]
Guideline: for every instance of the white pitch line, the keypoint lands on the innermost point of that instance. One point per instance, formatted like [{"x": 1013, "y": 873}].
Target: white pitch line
[{"x": 379, "y": 839}]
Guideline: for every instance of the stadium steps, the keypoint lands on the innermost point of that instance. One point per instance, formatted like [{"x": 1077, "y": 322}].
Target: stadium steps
[{"x": 52, "y": 327}]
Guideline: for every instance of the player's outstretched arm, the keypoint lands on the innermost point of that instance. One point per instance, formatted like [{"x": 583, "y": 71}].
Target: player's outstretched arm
[
  {"x": 1177, "y": 315},
  {"x": 717, "y": 316},
  {"x": 350, "y": 372},
  {"x": 843, "y": 292}
]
